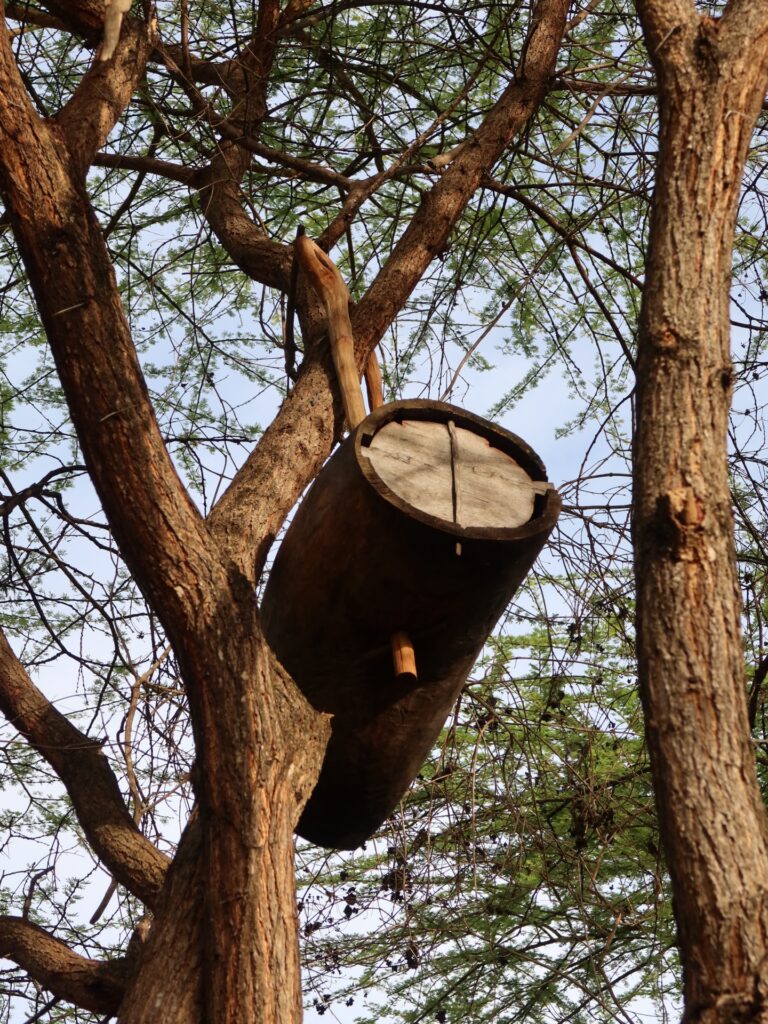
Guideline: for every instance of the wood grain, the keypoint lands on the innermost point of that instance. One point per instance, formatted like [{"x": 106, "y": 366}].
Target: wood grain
[
  {"x": 360, "y": 563},
  {"x": 413, "y": 458},
  {"x": 329, "y": 285}
]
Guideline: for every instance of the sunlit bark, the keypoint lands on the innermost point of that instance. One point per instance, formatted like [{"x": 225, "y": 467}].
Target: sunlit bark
[{"x": 712, "y": 77}]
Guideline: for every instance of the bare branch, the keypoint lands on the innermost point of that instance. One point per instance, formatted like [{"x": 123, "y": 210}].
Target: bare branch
[
  {"x": 82, "y": 767},
  {"x": 572, "y": 234},
  {"x": 441, "y": 208},
  {"x": 104, "y": 93},
  {"x": 147, "y": 165},
  {"x": 96, "y": 985},
  {"x": 616, "y": 88},
  {"x": 308, "y": 170},
  {"x": 577, "y": 19}
]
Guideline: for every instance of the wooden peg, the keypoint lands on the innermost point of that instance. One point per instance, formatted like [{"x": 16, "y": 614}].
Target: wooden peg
[{"x": 403, "y": 657}]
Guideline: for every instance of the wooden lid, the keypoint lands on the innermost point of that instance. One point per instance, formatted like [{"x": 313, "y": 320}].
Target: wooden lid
[{"x": 451, "y": 468}]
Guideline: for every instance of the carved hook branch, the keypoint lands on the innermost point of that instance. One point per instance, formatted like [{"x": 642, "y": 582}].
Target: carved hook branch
[
  {"x": 328, "y": 284},
  {"x": 113, "y": 19}
]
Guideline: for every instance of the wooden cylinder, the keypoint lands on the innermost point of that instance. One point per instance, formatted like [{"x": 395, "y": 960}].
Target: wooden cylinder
[
  {"x": 424, "y": 522},
  {"x": 403, "y": 657}
]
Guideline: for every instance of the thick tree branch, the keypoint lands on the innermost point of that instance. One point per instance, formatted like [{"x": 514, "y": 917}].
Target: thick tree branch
[
  {"x": 220, "y": 198},
  {"x": 88, "y": 779},
  {"x": 32, "y": 16},
  {"x": 84, "y": 18},
  {"x": 663, "y": 19},
  {"x": 160, "y": 533},
  {"x": 671, "y": 27},
  {"x": 259, "y": 743},
  {"x": 96, "y": 985},
  {"x": 104, "y": 93},
  {"x": 743, "y": 24},
  {"x": 712, "y": 81},
  {"x": 442, "y": 206},
  {"x": 300, "y": 438},
  {"x": 258, "y": 256},
  {"x": 294, "y": 446}
]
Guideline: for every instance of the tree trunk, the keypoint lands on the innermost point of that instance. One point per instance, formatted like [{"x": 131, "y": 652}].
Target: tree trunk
[
  {"x": 712, "y": 78},
  {"x": 225, "y": 945},
  {"x": 259, "y": 744}
]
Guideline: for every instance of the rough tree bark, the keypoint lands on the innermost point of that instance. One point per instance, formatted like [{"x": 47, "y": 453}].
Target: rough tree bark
[
  {"x": 712, "y": 77},
  {"x": 259, "y": 746},
  {"x": 224, "y": 943}
]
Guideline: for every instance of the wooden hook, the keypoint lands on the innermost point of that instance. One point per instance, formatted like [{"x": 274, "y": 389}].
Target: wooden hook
[{"x": 328, "y": 284}]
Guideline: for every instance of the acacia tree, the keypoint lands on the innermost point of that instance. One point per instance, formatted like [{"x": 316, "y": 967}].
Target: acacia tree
[
  {"x": 223, "y": 944},
  {"x": 419, "y": 164}
]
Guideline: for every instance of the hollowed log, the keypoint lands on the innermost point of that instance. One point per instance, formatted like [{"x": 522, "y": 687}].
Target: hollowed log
[{"x": 422, "y": 525}]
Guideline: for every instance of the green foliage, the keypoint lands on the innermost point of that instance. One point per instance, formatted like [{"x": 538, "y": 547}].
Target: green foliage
[{"x": 523, "y": 875}]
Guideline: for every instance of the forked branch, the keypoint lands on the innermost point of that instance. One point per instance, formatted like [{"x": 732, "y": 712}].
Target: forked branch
[{"x": 275, "y": 474}]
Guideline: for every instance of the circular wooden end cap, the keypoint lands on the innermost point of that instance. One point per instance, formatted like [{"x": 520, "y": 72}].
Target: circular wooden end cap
[{"x": 452, "y": 473}]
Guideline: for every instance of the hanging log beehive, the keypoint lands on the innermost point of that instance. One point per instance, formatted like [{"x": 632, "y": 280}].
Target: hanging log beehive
[{"x": 411, "y": 541}]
